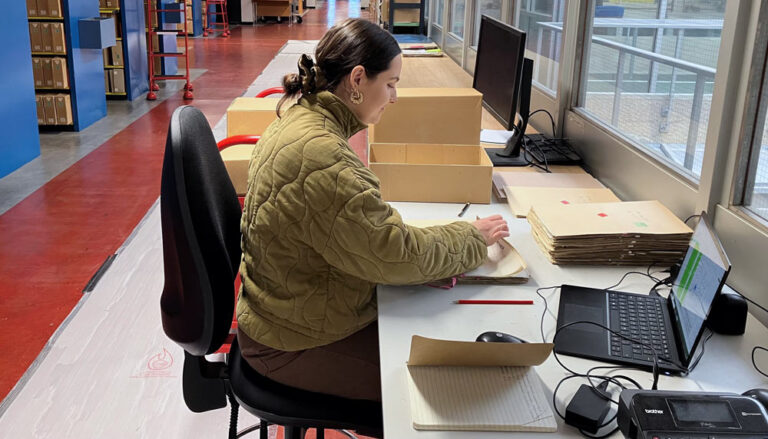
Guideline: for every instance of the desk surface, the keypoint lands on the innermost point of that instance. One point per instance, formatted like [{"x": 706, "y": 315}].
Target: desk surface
[{"x": 430, "y": 312}]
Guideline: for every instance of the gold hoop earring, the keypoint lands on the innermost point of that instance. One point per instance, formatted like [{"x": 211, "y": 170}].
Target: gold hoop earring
[{"x": 356, "y": 97}]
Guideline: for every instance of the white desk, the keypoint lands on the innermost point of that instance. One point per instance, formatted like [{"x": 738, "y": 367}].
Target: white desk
[{"x": 404, "y": 311}]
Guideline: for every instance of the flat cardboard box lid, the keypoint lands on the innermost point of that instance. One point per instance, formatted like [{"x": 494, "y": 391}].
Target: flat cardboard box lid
[
  {"x": 253, "y": 104},
  {"x": 433, "y": 352},
  {"x": 436, "y": 92}
]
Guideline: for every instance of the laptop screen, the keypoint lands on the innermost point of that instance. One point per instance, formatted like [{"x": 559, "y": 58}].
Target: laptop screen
[{"x": 701, "y": 276}]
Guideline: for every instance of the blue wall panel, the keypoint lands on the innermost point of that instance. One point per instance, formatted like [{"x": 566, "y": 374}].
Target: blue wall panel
[
  {"x": 86, "y": 66},
  {"x": 19, "y": 139},
  {"x": 135, "y": 46}
]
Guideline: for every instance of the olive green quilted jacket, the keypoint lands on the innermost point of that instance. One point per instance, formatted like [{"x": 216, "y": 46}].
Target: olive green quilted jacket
[{"x": 317, "y": 237}]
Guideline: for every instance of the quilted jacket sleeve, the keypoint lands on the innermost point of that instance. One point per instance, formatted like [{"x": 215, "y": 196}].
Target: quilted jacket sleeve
[{"x": 364, "y": 236}]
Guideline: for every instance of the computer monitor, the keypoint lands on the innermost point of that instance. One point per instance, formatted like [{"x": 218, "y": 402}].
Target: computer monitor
[{"x": 503, "y": 76}]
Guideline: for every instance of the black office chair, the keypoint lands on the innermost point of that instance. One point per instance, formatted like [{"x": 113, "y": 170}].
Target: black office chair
[{"x": 201, "y": 250}]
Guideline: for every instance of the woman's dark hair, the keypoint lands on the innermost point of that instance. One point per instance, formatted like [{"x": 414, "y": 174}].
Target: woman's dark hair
[{"x": 353, "y": 42}]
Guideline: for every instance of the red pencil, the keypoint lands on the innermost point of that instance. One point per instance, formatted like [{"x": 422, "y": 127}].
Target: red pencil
[{"x": 493, "y": 302}]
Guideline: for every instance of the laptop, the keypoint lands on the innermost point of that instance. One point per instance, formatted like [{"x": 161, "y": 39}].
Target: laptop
[{"x": 673, "y": 325}]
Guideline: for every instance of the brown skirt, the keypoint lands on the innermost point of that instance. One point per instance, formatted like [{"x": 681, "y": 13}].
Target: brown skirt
[{"x": 348, "y": 368}]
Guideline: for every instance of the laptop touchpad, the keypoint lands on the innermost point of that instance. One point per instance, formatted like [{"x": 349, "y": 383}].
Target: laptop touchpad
[{"x": 576, "y": 312}]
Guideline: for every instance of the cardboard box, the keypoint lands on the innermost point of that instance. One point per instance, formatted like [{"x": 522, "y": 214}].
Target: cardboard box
[
  {"x": 117, "y": 54},
  {"x": 107, "y": 81},
  {"x": 35, "y": 37},
  {"x": 236, "y": 159},
  {"x": 118, "y": 81},
  {"x": 431, "y": 115},
  {"x": 406, "y": 15},
  {"x": 59, "y": 68},
  {"x": 32, "y": 8},
  {"x": 249, "y": 115},
  {"x": 432, "y": 173},
  {"x": 42, "y": 8},
  {"x": 40, "y": 110},
  {"x": 54, "y": 7},
  {"x": 47, "y": 73},
  {"x": 106, "y": 53},
  {"x": 109, "y": 4},
  {"x": 37, "y": 72},
  {"x": 63, "y": 109},
  {"x": 49, "y": 109},
  {"x": 46, "y": 37},
  {"x": 57, "y": 38}
]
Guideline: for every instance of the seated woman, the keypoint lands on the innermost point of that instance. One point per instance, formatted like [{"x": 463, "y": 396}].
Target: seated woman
[{"x": 317, "y": 237}]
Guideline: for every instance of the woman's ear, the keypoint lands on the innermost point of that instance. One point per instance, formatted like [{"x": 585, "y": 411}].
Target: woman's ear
[{"x": 357, "y": 76}]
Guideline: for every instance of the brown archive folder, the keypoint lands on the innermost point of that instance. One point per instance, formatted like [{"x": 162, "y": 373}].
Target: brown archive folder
[
  {"x": 118, "y": 81},
  {"x": 54, "y": 7},
  {"x": 117, "y": 55},
  {"x": 57, "y": 38},
  {"x": 35, "y": 37},
  {"x": 46, "y": 38},
  {"x": 42, "y": 8},
  {"x": 47, "y": 73},
  {"x": 40, "y": 110},
  {"x": 32, "y": 8},
  {"x": 63, "y": 109},
  {"x": 49, "y": 108},
  {"x": 37, "y": 72},
  {"x": 59, "y": 68}
]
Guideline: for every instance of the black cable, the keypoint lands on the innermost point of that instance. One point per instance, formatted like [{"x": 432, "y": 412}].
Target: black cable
[
  {"x": 526, "y": 150},
  {"x": 701, "y": 353},
  {"x": 656, "y": 356},
  {"x": 692, "y": 216},
  {"x": 754, "y": 363},
  {"x": 615, "y": 429},
  {"x": 627, "y": 274},
  {"x": 551, "y": 119}
]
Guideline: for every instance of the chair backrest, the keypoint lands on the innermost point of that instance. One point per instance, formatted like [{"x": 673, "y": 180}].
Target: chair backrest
[{"x": 200, "y": 218}]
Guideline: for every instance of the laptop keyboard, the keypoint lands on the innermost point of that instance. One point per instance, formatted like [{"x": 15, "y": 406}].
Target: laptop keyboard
[{"x": 641, "y": 318}]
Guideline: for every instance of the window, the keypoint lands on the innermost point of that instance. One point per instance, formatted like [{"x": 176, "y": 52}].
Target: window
[
  {"x": 649, "y": 72},
  {"x": 756, "y": 188},
  {"x": 491, "y": 8},
  {"x": 457, "y": 18},
  {"x": 439, "y": 12},
  {"x": 542, "y": 21}
]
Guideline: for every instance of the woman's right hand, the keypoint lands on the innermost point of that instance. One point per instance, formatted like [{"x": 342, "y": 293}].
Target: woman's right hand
[{"x": 493, "y": 228}]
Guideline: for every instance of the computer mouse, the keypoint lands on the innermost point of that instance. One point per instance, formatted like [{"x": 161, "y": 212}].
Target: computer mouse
[
  {"x": 761, "y": 395},
  {"x": 499, "y": 337}
]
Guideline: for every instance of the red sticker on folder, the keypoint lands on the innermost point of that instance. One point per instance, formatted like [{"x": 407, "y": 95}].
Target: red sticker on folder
[
  {"x": 602, "y": 215},
  {"x": 565, "y": 202}
]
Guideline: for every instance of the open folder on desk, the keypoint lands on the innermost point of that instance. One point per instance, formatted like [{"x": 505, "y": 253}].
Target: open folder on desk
[
  {"x": 503, "y": 266},
  {"x": 456, "y": 385}
]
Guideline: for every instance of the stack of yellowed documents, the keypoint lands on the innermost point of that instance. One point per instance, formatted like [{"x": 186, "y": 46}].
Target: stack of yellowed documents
[{"x": 622, "y": 233}]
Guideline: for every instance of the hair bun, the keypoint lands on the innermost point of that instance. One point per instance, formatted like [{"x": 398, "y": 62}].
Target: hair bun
[{"x": 311, "y": 76}]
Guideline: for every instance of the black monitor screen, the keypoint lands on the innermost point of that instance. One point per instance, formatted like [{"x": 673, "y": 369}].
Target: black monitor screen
[{"x": 498, "y": 68}]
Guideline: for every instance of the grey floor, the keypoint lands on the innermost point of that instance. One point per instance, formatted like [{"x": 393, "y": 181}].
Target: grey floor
[{"x": 60, "y": 150}]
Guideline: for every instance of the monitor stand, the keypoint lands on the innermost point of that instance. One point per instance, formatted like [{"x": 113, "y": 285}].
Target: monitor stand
[{"x": 511, "y": 154}]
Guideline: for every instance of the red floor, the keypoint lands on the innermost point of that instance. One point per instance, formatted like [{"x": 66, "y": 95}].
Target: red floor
[{"x": 53, "y": 241}]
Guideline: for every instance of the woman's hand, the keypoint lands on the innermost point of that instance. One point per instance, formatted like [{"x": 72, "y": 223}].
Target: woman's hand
[{"x": 493, "y": 228}]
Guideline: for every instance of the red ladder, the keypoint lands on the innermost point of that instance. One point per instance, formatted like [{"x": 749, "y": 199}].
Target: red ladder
[
  {"x": 154, "y": 52},
  {"x": 219, "y": 10}
]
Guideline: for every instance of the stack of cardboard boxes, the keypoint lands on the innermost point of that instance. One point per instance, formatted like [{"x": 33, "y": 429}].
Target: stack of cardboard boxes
[
  {"x": 426, "y": 147},
  {"x": 114, "y": 73},
  {"x": 50, "y": 73},
  {"x": 44, "y": 8},
  {"x": 402, "y": 17}
]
